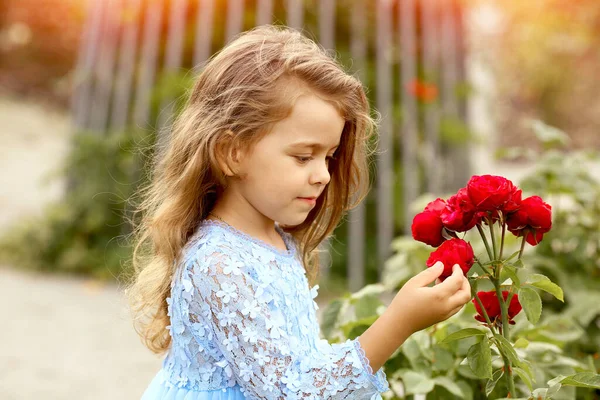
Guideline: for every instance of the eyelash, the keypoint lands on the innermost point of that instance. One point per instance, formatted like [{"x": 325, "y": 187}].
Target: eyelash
[{"x": 304, "y": 160}]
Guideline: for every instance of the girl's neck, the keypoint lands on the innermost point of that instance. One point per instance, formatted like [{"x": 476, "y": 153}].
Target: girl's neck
[{"x": 251, "y": 223}]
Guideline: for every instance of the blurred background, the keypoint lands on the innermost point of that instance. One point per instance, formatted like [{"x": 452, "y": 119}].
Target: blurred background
[{"x": 87, "y": 86}]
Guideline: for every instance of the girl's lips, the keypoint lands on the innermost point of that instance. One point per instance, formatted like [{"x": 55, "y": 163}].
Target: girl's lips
[{"x": 309, "y": 200}]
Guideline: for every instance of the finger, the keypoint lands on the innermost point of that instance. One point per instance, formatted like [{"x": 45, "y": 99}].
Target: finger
[
  {"x": 454, "y": 282},
  {"x": 438, "y": 281},
  {"x": 456, "y": 310},
  {"x": 463, "y": 295},
  {"x": 424, "y": 278}
]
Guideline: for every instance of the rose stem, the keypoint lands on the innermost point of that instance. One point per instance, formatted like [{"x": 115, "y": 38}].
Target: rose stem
[
  {"x": 485, "y": 242},
  {"x": 522, "y": 244},
  {"x": 493, "y": 236},
  {"x": 510, "y": 293},
  {"x": 505, "y": 333},
  {"x": 485, "y": 314},
  {"x": 502, "y": 241}
]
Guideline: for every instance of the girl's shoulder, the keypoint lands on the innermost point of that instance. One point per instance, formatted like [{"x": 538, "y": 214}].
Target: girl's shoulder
[{"x": 217, "y": 237}]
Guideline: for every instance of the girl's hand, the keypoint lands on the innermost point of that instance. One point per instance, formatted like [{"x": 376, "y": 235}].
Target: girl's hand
[{"x": 418, "y": 306}]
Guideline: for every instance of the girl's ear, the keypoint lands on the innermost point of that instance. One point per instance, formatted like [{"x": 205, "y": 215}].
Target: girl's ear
[{"x": 228, "y": 155}]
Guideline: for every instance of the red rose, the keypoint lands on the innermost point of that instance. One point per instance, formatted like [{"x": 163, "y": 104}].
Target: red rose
[
  {"x": 492, "y": 306},
  {"x": 514, "y": 201},
  {"x": 534, "y": 218},
  {"x": 427, "y": 225},
  {"x": 489, "y": 192},
  {"x": 453, "y": 251},
  {"x": 459, "y": 214}
]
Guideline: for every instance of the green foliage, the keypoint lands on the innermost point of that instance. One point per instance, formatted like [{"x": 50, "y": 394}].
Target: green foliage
[{"x": 79, "y": 233}]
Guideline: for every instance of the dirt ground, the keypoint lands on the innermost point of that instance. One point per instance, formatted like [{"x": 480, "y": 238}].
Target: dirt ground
[{"x": 62, "y": 338}]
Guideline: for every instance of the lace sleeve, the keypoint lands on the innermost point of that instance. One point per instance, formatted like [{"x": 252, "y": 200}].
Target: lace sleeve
[{"x": 256, "y": 342}]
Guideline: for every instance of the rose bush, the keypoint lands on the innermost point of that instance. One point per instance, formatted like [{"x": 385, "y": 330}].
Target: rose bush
[{"x": 554, "y": 354}]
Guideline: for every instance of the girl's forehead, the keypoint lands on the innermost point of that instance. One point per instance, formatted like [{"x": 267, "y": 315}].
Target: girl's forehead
[{"x": 313, "y": 122}]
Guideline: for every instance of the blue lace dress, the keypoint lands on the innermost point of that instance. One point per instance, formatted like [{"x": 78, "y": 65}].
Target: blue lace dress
[{"x": 244, "y": 326}]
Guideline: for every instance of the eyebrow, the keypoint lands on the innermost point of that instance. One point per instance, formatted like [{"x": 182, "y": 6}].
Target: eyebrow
[{"x": 312, "y": 145}]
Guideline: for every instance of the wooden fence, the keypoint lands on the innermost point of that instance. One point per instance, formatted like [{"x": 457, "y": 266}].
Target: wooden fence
[{"x": 418, "y": 62}]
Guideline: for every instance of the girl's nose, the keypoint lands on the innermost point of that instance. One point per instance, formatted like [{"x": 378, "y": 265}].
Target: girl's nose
[{"x": 320, "y": 174}]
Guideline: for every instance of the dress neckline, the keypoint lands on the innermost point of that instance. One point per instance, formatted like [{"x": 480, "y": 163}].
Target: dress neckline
[{"x": 284, "y": 236}]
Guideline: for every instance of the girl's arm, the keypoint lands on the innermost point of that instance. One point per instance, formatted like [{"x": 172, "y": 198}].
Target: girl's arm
[{"x": 415, "y": 307}]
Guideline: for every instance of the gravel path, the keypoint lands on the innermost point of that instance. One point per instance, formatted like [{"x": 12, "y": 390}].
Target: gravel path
[
  {"x": 68, "y": 339},
  {"x": 62, "y": 338}
]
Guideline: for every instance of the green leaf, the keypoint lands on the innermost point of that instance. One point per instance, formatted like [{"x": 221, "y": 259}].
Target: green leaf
[
  {"x": 330, "y": 316},
  {"x": 507, "y": 349},
  {"x": 442, "y": 359},
  {"x": 417, "y": 383},
  {"x": 517, "y": 264},
  {"x": 356, "y": 328},
  {"x": 366, "y": 306},
  {"x": 524, "y": 377},
  {"x": 583, "y": 379},
  {"x": 491, "y": 384},
  {"x": 480, "y": 359},
  {"x": 369, "y": 290},
  {"x": 532, "y": 304},
  {"x": 449, "y": 385},
  {"x": 463, "y": 333},
  {"x": 544, "y": 283},
  {"x": 512, "y": 256},
  {"x": 521, "y": 343},
  {"x": 550, "y": 136},
  {"x": 508, "y": 271}
]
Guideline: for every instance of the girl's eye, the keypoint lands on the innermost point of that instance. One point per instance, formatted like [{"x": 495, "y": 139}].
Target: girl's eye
[{"x": 303, "y": 160}]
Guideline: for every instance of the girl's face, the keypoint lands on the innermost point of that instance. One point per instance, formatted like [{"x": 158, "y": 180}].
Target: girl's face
[{"x": 287, "y": 170}]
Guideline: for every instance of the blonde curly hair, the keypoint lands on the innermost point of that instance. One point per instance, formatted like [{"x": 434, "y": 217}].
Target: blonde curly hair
[{"x": 241, "y": 92}]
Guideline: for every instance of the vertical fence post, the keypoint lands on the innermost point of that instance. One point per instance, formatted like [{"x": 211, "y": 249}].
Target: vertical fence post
[
  {"x": 456, "y": 161},
  {"x": 173, "y": 57},
  {"x": 105, "y": 67},
  {"x": 235, "y": 18},
  {"x": 264, "y": 13},
  {"x": 431, "y": 66},
  {"x": 295, "y": 14},
  {"x": 356, "y": 220},
  {"x": 148, "y": 63},
  {"x": 125, "y": 69},
  {"x": 204, "y": 31},
  {"x": 410, "y": 166},
  {"x": 385, "y": 195},
  {"x": 84, "y": 70}
]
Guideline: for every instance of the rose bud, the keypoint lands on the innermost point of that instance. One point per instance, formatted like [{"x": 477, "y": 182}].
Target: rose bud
[
  {"x": 453, "y": 251},
  {"x": 492, "y": 306},
  {"x": 534, "y": 217},
  {"x": 427, "y": 226},
  {"x": 489, "y": 192}
]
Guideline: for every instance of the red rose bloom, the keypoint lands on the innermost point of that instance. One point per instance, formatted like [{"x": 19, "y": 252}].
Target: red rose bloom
[
  {"x": 489, "y": 192},
  {"x": 534, "y": 218},
  {"x": 453, "y": 251},
  {"x": 492, "y": 306},
  {"x": 514, "y": 201},
  {"x": 459, "y": 214},
  {"x": 427, "y": 225}
]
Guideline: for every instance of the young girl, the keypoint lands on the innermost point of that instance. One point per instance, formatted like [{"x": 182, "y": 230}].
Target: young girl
[{"x": 267, "y": 156}]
